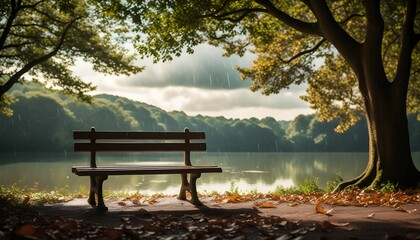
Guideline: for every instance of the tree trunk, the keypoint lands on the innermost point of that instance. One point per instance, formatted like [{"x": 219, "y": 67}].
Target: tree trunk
[{"x": 390, "y": 159}]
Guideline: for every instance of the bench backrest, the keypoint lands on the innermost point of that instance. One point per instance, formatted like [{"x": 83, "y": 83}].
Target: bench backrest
[{"x": 104, "y": 141}]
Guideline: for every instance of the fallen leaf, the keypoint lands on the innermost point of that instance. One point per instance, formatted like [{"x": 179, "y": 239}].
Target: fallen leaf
[
  {"x": 266, "y": 204},
  {"x": 401, "y": 209},
  {"x": 122, "y": 204},
  {"x": 371, "y": 215},
  {"x": 233, "y": 198},
  {"x": 320, "y": 209},
  {"x": 294, "y": 204},
  {"x": 329, "y": 225},
  {"x": 112, "y": 234},
  {"x": 143, "y": 212},
  {"x": 26, "y": 230}
]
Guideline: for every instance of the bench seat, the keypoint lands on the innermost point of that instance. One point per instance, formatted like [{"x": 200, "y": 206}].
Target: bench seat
[
  {"x": 105, "y": 141},
  {"x": 143, "y": 170}
]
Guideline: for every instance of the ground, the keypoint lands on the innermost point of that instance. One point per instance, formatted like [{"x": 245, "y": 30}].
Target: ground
[{"x": 165, "y": 217}]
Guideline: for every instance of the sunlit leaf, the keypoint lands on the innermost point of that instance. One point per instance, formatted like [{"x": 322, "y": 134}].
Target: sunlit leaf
[
  {"x": 266, "y": 204},
  {"x": 232, "y": 198},
  {"x": 320, "y": 209}
]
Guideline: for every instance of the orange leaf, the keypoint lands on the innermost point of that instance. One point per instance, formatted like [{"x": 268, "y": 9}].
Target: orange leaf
[
  {"x": 233, "y": 198},
  {"x": 266, "y": 205},
  {"x": 320, "y": 209},
  {"x": 122, "y": 204}
]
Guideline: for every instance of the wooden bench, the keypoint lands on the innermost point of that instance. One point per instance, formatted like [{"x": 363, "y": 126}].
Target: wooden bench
[{"x": 101, "y": 141}]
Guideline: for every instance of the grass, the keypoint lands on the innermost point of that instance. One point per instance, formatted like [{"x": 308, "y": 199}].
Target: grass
[{"x": 33, "y": 196}]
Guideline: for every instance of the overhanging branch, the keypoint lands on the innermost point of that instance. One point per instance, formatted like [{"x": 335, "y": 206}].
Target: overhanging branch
[
  {"x": 316, "y": 47},
  {"x": 15, "y": 77},
  {"x": 310, "y": 28},
  {"x": 230, "y": 15}
]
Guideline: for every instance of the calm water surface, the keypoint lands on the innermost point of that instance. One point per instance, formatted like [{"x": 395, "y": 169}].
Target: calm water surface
[{"x": 248, "y": 171}]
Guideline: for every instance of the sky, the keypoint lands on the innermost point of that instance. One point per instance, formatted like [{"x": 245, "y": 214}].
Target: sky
[{"x": 201, "y": 83}]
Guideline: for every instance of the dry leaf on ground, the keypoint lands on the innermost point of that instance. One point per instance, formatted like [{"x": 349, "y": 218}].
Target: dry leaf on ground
[
  {"x": 320, "y": 209},
  {"x": 328, "y": 224},
  {"x": 401, "y": 209},
  {"x": 266, "y": 204}
]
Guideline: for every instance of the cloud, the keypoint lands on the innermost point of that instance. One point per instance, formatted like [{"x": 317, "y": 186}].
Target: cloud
[
  {"x": 202, "y": 83},
  {"x": 206, "y": 68},
  {"x": 235, "y": 103}
]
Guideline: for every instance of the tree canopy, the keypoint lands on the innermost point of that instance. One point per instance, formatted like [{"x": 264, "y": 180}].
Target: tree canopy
[
  {"x": 357, "y": 57},
  {"x": 288, "y": 41},
  {"x": 40, "y": 40}
]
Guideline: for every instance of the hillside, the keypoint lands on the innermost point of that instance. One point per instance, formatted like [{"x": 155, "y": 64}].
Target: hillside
[{"x": 44, "y": 121}]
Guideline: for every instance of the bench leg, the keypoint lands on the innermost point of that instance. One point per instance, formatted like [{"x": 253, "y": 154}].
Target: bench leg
[
  {"x": 190, "y": 187},
  {"x": 96, "y": 186}
]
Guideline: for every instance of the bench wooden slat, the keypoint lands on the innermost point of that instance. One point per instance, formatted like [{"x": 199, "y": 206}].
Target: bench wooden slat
[
  {"x": 138, "y": 135},
  {"x": 135, "y": 170},
  {"x": 139, "y": 147}
]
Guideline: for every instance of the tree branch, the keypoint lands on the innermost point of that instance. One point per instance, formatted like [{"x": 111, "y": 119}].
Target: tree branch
[
  {"x": 15, "y": 9},
  {"x": 243, "y": 12},
  {"x": 15, "y": 77},
  {"x": 16, "y": 45},
  {"x": 351, "y": 17},
  {"x": 316, "y": 47},
  {"x": 310, "y": 28},
  {"x": 409, "y": 41},
  {"x": 335, "y": 34}
]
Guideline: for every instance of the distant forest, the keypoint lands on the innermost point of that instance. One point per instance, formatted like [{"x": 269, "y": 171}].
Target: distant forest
[{"x": 43, "y": 121}]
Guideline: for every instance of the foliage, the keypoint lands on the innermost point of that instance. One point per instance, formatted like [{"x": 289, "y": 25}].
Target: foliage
[
  {"x": 388, "y": 188},
  {"x": 26, "y": 196},
  {"x": 294, "y": 43},
  {"x": 309, "y": 186},
  {"x": 234, "y": 190},
  {"x": 43, "y": 39},
  {"x": 334, "y": 182}
]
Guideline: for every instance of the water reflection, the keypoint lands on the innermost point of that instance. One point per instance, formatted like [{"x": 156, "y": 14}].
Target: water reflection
[{"x": 249, "y": 171}]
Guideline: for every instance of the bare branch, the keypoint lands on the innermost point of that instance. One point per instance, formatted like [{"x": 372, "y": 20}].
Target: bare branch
[
  {"x": 230, "y": 15},
  {"x": 351, "y": 17},
  {"x": 243, "y": 12},
  {"x": 316, "y": 47}
]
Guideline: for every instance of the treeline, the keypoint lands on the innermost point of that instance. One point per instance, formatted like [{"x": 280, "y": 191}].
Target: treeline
[{"x": 43, "y": 121}]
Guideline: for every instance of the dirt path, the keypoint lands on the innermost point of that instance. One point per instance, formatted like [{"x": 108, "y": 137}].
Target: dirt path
[{"x": 299, "y": 222}]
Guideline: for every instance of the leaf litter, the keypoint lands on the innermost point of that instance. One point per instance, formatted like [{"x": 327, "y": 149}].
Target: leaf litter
[{"x": 22, "y": 222}]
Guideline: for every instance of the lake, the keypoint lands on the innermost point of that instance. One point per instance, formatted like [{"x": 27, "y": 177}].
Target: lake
[{"x": 248, "y": 171}]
